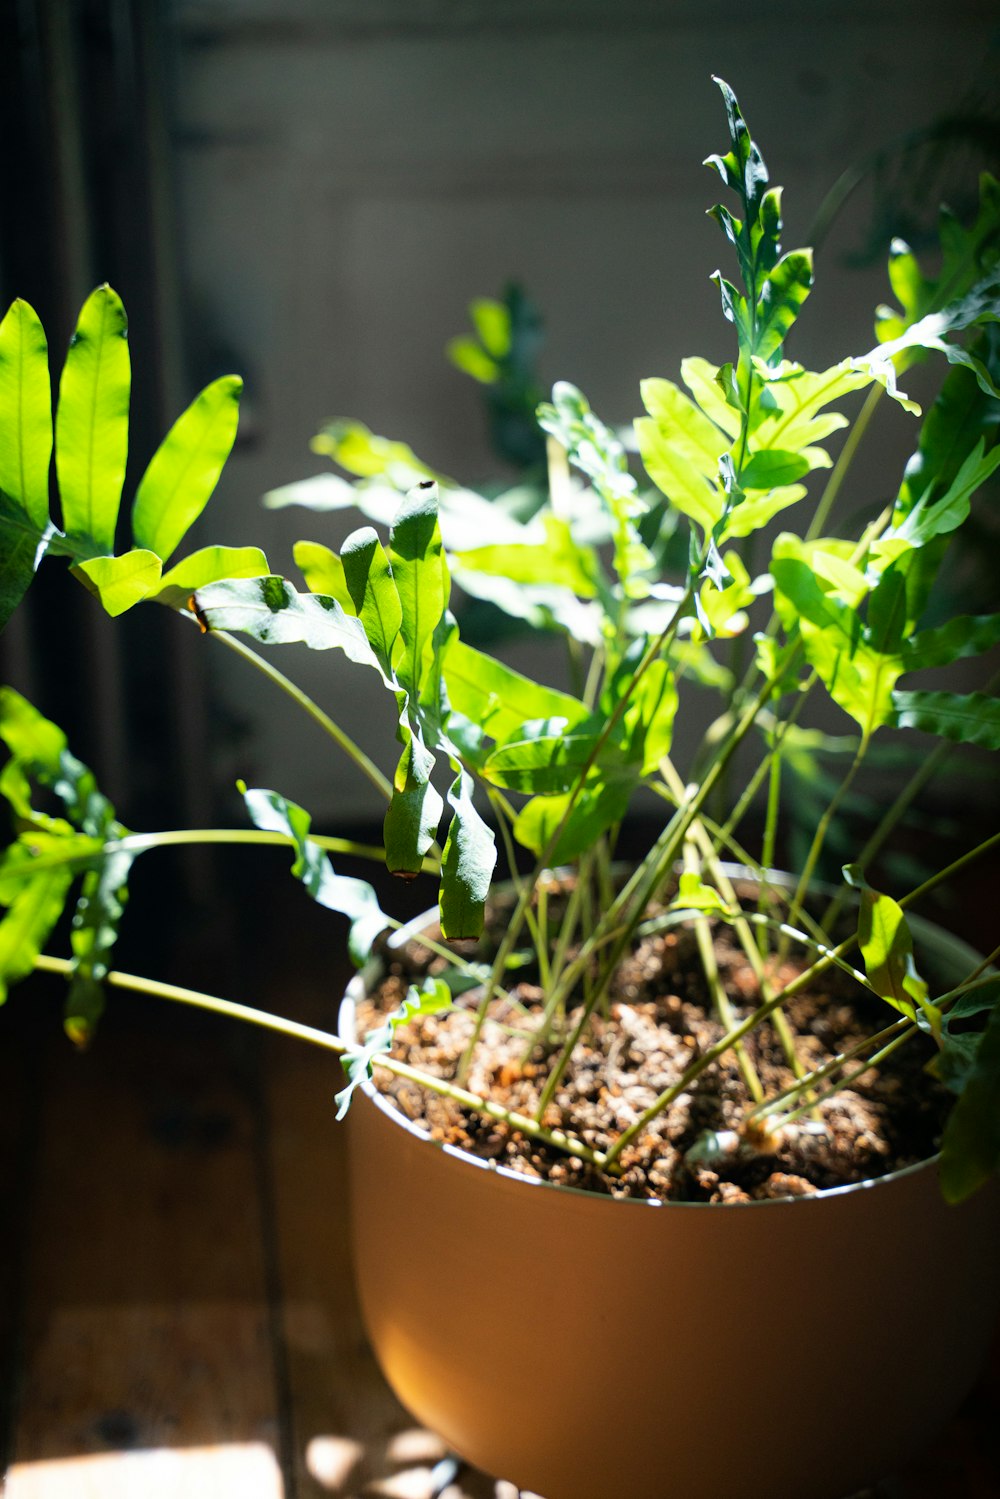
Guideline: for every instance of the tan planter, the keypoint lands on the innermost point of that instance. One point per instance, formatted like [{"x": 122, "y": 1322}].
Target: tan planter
[{"x": 588, "y": 1348}]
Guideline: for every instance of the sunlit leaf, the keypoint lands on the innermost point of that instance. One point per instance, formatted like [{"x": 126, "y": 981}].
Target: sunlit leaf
[
  {"x": 467, "y": 864},
  {"x": 184, "y": 470},
  {"x": 92, "y": 421}
]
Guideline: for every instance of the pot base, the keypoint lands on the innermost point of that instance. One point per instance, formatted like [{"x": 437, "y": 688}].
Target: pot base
[{"x": 584, "y": 1347}]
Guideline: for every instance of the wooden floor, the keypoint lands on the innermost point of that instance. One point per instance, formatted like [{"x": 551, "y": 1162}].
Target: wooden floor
[{"x": 176, "y": 1312}]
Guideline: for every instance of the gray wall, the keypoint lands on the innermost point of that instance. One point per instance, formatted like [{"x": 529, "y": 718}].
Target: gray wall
[{"x": 351, "y": 174}]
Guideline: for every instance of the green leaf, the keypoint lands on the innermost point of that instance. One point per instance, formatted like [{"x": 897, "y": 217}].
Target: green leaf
[
  {"x": 352, "y": 898},
  {"x": 965, "y": 635},
  {"x": 96, "y": 920},
  {"x": 120, "y": 582},
  {"x": 361, "y": 452},
  {"x": 185, "y": 468},
  {"x": 772, "y": 467},
  {"x": 930, "y": 518},
  {"x": 597, "y": 452},
  {"x": 971, "y": 718},
  {"x": 467, "y": 865},
  {"x": 887, "y": 949},
  {"x": 601, "y": 804},
  {"x": 271, "y": 611},
  {"x": 466, "y": 355},
  {"x": 25, "y": 414},
  {"x": 209, "y": 565},
  {"x": 970, "y": 1149},
  {"x": 29, "y": 920},
  {"x": 21, "y": 550},
  {"x": 323, "y": 572},
  {"x": 92, "y": 421},
  {"x": 372, "y": 588},
  {"x": 781, "y": 299},
  {"x": 680, "y": 447},
  {"x": 418, "y": 566},
  {"x": 693, "y": 895},
  {"x": 430, "y": 999},
  {"x": 857, "y": 676},
  {"x": 411, "y": 822},
  {"x": 556, "y": 560},
  {"x": 499, "y": 698},
  {"x": 545, "y": 757}
]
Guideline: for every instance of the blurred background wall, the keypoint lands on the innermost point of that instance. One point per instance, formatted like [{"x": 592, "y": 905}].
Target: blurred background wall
[{"x": 310, "y": 192}]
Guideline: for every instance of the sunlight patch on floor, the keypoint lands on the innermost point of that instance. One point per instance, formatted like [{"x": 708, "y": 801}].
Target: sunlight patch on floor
[{"x": 247, "y": 1469}]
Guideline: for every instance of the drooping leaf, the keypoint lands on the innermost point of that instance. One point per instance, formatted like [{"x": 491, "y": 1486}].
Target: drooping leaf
[
  {"x": 361, "y": 452},
  {"x": 353, "y": 898},
  {"x": 184, "y": 470},
  {"x": 92, "y": 422},
  {"x": 411, "y": 822},
  {"x": 467, "y": 863}
]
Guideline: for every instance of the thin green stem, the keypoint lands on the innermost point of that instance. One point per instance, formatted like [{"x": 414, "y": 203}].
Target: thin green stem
[
  {"x": 353, "y": 751},
  {"x": 315, "y": 1037},
  {"x": 844, "y": 461}
]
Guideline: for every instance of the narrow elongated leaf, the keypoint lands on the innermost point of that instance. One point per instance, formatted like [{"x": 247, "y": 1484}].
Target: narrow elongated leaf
[
  {"x": 185, "y": 468},
  {"x": 120, "y": 582},
  {"x": 970, "y": 718},
  {"x": 373, "y": 593},
  {"x": 468, "y": 860},
  {"x": 411, "y": 823},
  {"x": 929, "y": 519},
  {"x": 781, "y": 299},
  {"x": 421, "y": 577},
  {"x": 209, "y": 565},
  {"x": 353, "y": 898},
  {"x": 499, "y": 698},
  {"x": 271, "y": 611},
  {"x": 25, "y": 414},
  {"x": 92, "y": 421},
  {"x": 970, "y": 1149}
]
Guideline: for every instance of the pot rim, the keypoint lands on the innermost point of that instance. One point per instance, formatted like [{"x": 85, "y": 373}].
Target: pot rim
[{"x": 346, "y": 1028}]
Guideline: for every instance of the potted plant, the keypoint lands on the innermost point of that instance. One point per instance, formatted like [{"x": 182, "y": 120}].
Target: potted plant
[{"x": 664, "y": 1171}]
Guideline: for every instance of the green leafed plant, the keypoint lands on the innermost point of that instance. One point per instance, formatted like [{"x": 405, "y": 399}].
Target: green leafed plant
[{"x": 723, "y": 565}]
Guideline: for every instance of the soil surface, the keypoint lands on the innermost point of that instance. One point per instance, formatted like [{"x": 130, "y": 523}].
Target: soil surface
[{"x": 655, "y": 1025}]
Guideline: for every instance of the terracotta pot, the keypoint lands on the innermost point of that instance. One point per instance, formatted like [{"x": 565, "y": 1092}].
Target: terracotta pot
[{"x": 589, "y": 1348}]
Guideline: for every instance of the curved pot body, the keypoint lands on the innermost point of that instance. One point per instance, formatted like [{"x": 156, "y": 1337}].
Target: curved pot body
[{"x": 586, "y": 1348}]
